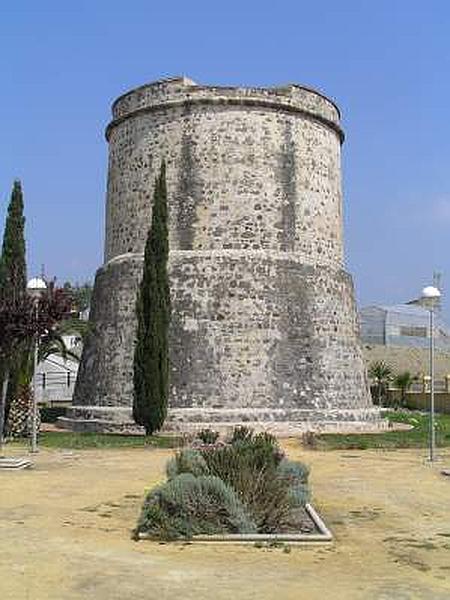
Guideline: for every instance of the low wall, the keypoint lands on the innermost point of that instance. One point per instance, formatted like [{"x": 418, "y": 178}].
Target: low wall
[
  {"x": 421, "y": 400},
  {"x": 414, "y": 360}
]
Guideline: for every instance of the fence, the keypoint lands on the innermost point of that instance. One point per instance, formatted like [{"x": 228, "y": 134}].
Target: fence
[
  {"x": 55, "y": 386},
  {"x": 418, "y": 395}
]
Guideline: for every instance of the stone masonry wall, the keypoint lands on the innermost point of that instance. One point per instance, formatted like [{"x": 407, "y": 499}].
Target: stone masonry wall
[
  {"x": 264, "y": 321},
  {"x": 246, "y": 333},
  {"x": 240, "y": 178}
]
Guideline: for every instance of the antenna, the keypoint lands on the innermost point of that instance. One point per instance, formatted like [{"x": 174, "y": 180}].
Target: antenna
[
  {"x": 437, "y": 278},
  {"x": 437, "y": 282}
]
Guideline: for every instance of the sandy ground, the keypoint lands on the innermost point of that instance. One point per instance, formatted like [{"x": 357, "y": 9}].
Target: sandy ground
[{"x": 65, "y": 533}]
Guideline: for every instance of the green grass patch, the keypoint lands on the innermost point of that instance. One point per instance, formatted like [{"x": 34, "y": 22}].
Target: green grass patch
[
  {"x": 418, "y": 437},
  {"x": 86, "y": 441}
]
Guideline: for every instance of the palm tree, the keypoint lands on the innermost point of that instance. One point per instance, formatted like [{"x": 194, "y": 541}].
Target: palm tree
[
  {"x": 51, "y": 343},
  {"x": 381, "y": 373},
  {"x": 19, "y": 327},
  {"x": 404, "y": 381}
]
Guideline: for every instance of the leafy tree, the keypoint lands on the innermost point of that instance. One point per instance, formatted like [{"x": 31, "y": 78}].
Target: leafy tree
[
  {"x": 13, "y": 281},
  {"x": 404, "y": 381},
  {"x": 151, "y": 355},
  {"x": 80, "y": 293},
  {"x": 18, "y": 321},
  {"x": 21, "y": 322},
  {"x": 381, "y": 373}
]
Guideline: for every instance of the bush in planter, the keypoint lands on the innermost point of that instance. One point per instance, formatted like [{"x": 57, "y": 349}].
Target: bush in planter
[
  {"x": 188, "y": 505},
  {"x": 249, "y": 464},
  {"x": 244, "y": 486}
]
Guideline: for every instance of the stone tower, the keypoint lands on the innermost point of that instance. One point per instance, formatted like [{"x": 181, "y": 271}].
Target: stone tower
[{"x": 264, "y": 327}]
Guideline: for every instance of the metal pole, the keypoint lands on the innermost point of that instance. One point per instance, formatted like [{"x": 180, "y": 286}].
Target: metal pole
[
  {"x": 34, "y": 447},
  {"x": 3, "y": 407},
  {"x": 432, "y": 431}
]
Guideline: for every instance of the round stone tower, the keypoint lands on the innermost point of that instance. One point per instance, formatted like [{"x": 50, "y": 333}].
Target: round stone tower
[{"x": 264, "y": 326}]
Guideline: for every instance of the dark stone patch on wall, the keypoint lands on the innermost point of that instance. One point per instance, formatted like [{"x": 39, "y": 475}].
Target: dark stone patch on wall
[
  {"x": 188, "y": 190},
  {"x": 287, "y": 178}
]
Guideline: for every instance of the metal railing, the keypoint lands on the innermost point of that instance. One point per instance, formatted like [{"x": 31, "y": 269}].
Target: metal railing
[{"x": 55, "y": 386}]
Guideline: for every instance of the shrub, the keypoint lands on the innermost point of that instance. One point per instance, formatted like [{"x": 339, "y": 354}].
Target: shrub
[
  {"x": 187, "y": 461},
  {"x": 244, "y": 486},
  {"x": 208, "y": 436},
  {"x": 249, "y": 465},
  {"x": 293, "y": 471},
  {"x": 188, "y": 505},
  {"x": 296, "y": 475},
  {"x": 268, "y": 500},
  {"x": 246, "y": 451},
  {"x": 298, "y": 495},
  {"x": 241, "y": 434}
]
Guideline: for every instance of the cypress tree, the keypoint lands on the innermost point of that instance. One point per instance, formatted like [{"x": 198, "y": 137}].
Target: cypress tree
[
  {"x": 151, "y": 355},
  {"x": 13, "y": 285},
  {"x": 13, "y": 270}
]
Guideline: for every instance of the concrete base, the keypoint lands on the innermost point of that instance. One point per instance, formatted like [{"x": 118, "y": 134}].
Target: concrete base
[
  {"x": 281, "y": 422},
  {"x": 14, "y": 464}
]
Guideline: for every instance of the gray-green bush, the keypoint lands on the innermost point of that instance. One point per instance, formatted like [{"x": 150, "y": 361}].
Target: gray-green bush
[
  {"x": 251, "y": 465},
  {"x": 244, "y": 486},
  {"x": 187, "y": 505},
  {"x": 296, "y": 475},
  {"x": 293, "y": 471},
  {"x": 187, "y": 461}
]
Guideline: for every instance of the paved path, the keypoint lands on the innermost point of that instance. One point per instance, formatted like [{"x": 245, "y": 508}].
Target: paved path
[{"x": 64, "y": 534}]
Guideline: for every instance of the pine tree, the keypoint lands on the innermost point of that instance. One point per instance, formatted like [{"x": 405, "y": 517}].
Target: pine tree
[
  {"x": 13, "y": 281},
  {"x": 151, "y": 356}
]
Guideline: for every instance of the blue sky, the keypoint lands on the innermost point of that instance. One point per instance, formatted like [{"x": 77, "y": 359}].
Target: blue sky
[{"x": 387, "y": 64}]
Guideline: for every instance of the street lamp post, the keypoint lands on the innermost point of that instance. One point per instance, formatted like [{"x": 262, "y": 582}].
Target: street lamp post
[
  {"x": 429, "y": 300},
  {"x": 36, "y": 288}
]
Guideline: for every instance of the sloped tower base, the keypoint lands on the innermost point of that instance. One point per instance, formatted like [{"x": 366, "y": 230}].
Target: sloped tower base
[
  {"x": 284, "y": 358},
  {"x": 264, "y": 328}
]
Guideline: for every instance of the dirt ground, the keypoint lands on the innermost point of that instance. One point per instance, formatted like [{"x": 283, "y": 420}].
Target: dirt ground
[{"x": 65, "y": 533}]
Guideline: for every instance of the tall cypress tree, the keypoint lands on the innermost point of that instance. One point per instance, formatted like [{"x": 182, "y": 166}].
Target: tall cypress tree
[
  {"x": 13, "y": 270},
  {"x": 13, "y": 282},
  {"x": 151, "y": 355}
]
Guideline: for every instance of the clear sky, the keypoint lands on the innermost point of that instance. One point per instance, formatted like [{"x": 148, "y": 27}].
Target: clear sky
[{"x": 386, "y": 63}]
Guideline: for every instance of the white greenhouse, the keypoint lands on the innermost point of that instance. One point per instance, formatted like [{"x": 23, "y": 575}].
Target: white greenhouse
[{"x": 402, "y": 325}]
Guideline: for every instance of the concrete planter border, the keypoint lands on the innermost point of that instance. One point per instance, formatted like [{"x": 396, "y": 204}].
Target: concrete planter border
[{"x": 323, "y": 537}]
